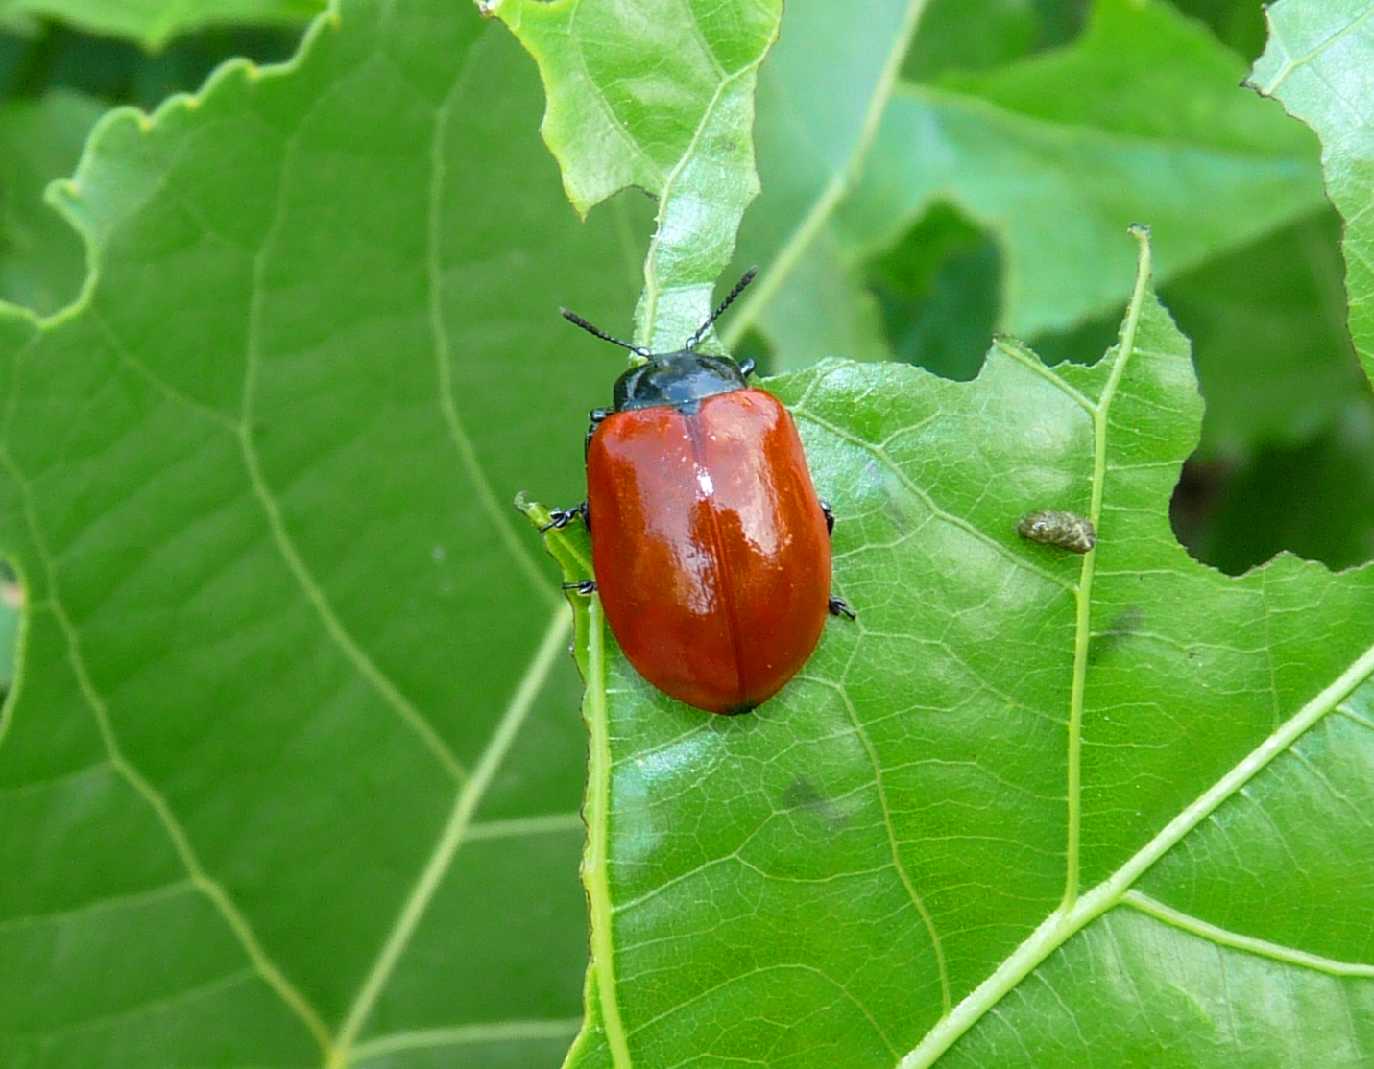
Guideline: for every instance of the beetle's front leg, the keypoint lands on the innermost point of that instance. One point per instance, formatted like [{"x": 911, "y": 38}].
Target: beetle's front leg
[
  {"x": 582, "y": 586},
  {"x": 840, "y": 607},
  {"x": 594, "y": 417},
  {"x": 829, "y": 516},
  {"x": 560, "y": 518}
]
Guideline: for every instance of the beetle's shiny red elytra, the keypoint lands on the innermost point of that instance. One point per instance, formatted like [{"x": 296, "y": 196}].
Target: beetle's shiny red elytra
[{"x": 710, "y": 548}]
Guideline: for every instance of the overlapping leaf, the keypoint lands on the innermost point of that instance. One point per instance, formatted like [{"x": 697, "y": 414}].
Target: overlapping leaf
[
  {"x": 41, "y": 259},
  {"x": 1052, "y": 157},
  {"x": 821, "y": 96},
  {"x": 291, "y": 770},
  {"x": 1320, "y": 64},
  {"x": 994, "y": 144},
  {"x": 659, "y": 96},
  {"x": 153, "y": 22}
]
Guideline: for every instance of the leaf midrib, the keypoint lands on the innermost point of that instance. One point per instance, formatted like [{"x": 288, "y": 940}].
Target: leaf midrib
[
  {"x": 751, "y": 304},
  {"x": 1060, "y": 925},
  {"x": 1083, "y": 593}
]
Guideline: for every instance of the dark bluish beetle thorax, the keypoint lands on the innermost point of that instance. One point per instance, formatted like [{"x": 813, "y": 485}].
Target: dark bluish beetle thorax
[{"x": 681, "y": 379}]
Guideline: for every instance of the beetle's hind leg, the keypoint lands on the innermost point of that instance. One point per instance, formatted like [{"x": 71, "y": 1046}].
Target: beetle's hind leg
[
  {"x": 560, "y": 518},
  {"x": 582, "y": 586},
  {"x": 829, "y": 516}
]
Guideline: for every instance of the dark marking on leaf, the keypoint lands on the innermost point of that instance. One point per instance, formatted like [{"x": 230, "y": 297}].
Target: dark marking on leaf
[
  {"x": 801, "y": 794},
  {"x": 1127, "y": 623}
]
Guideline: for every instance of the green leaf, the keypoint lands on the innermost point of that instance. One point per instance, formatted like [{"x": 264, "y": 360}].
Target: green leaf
[
  {"x": 821, "y": 96},
  {"x": 153, "y": 23},
  {"x": 1238, "y": 23},
  {"x": 292, "y": 765},
  {"x": 1004, "y": 30},
  {"x": 1140, "y": 120},
  {"x": 1273, "y": 354},
  {"x": 1318, "y": 64},
  {"x": 938, "y": 289},
  {"x": 41, "y": 260},
  {"x": 1267, "y": 323},
  {"x": 660, "y": 97},
  {"x": 1315, "y": 499},
  {"x": 1025, "y": 787}
]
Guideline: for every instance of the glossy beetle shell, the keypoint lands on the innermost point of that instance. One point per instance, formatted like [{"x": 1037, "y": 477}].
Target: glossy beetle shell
[{"x": 709, "y": 545}]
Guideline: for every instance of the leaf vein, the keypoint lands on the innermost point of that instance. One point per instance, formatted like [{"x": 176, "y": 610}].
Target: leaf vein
[
  {"x": 452, "y": 836},
  {"x": 935, "y": 510},
  {"x": 1264, "y": 948},
  {"x": 171, "y": 825},
  {"x": 501, "y": 518},
  {"x": 390, "y": 693}
]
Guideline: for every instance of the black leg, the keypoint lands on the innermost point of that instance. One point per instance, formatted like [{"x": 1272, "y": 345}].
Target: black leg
[
  {"x": 747, "y": 366},
  {"x": 594, "y": 417},
  {"x": 839, "y": 607},
  {"x": 582, "y": 586},
  {"x": 560, "y": 518},
  {"x": 829, "y": 516}
]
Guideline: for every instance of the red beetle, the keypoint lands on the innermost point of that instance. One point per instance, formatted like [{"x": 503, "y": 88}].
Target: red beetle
[{"x": 710, "y": 548}]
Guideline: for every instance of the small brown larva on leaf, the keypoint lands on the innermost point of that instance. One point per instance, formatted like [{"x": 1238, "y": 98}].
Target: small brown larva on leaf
[{"x": 1055, "y": 527}]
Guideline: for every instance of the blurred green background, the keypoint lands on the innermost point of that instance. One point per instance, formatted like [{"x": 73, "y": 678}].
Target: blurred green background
[{"x": 1287, "y": 454}]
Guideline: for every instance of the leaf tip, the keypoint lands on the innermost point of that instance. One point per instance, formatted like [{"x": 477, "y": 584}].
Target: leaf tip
[
  {"x": 533, "y": 511},
  {"x": 1141, "y": 233}
]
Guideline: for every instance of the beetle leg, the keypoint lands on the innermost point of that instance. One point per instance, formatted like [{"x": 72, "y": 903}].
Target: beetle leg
[
  {"x": 829, "y": 516},
  {"x": 747, "y": 366},
  {"x": 560, "y": 518},
  {"x": 840, "y": 607},
  {"x": 582, "y": 586},
  {"x": 594, "y": 417}
]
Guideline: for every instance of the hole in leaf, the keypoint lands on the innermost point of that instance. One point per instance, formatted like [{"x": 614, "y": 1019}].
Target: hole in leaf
[
  {"x": 1241, "y": 26},
  {"x": 938, "y": 290},
  {"x": 1007, "y": 30},
  {"x": 120, "y": 72},
  {"x": 1315, "y": 499},
  {"x": 755, "y": 345},
  {"x": 1286, "y": 458}
]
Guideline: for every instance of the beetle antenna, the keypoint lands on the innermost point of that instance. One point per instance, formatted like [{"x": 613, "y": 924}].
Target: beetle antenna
[
  {"x": 592, "y": 328},
  {"x": 700, "y": 332}
]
